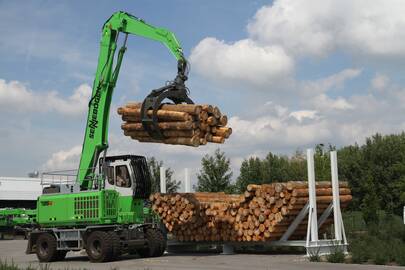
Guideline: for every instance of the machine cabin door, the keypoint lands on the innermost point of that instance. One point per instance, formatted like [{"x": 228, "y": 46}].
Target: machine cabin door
[{"x": 120, "y": 176}]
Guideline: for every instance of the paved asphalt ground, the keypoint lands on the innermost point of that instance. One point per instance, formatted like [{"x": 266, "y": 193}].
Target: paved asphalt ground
[{"x": 14, "y": 250}]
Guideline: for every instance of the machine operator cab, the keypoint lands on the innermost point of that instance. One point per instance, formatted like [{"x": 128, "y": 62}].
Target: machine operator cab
[{"x": 127, "y": 174}]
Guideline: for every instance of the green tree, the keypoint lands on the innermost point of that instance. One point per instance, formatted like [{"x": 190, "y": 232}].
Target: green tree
[
  {"x": 322, "y": 162},
  {"x": 297, "y": 167},
  {"x": 171, "y": 184},
  {"x": 376, "y": 174},
  {"x": 215, "y": 174},
  {"x": 275, "y": 168},
  {"x": 251, "y": 172},
  {"x": 351, "y": 168},
  {"x": 370, "y": 202}
]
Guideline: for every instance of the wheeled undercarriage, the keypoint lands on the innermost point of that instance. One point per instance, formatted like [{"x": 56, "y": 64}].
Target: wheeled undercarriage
[{"x": 102, "y": 243}]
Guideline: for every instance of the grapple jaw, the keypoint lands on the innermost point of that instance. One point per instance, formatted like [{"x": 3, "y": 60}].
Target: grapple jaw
[{"x": 176, "y": 91}]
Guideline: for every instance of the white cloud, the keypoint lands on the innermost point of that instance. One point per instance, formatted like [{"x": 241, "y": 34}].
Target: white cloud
[
  {"x": 380, "y": 81},
  {"x": 243, "y": 60},
  {"x": 304, "y": 114},
  {"x": 273, "y": 132},
  {"x": 17, "y": 97},
  {"x": 317, "y": 27},
  {"x": 337, "y": 80},
  {"x": 324, "y": 103},
  {"x": 64, "y": 160},
  {"x": 296, "y": 25}
]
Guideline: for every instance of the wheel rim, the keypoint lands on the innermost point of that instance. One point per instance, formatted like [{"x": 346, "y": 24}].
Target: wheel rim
[
  {"x": 43, "y": 248},
  {"x": 96, "y": 247}
]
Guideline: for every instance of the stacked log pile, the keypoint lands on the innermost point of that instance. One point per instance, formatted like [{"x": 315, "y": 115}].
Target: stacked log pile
[
  {"x": 262, "y": 213},
  {"x": 183, "y": 124}
]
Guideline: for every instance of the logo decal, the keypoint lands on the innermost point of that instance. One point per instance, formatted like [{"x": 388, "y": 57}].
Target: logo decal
[{"x": 93, "y": 122}]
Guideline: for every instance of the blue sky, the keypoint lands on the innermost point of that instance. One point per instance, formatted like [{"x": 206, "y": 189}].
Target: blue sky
[{"x": 289, "y": 73}]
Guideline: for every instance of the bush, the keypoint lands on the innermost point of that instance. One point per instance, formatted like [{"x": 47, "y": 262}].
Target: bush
[
  {"x": 337, "y": 256},
  {"x": 362, "y": 249},
  {"x": 380, "y": 242},
  {"x": 380, "y": 259},
  {"x": 379, "y": 248},
  {"x": 400, "y": 259},
  {"x": 314, "y": 256}
]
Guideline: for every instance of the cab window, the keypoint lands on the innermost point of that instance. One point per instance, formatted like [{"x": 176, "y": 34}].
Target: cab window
[
  {"x": 110, "y": 175},
  {"x": 122, "y": 176}
]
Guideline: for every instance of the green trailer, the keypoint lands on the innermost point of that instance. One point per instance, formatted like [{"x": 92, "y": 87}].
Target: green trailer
[{"x": 16, "y": 221}]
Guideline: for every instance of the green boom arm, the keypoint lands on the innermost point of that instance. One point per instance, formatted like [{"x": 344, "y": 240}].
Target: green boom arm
[{"x": 96, "y": 136}]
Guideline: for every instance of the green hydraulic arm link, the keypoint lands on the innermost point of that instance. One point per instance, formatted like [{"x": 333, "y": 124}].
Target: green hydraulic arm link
[{"x": 96, "y": 135}]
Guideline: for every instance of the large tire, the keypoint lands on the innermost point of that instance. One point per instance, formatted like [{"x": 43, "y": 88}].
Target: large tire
[
  {"x": 99, "y": 247},
  {"x": 162, "y": 243},
  {"x": 46, "y": 248},
  {"x": 156, "y": 244},
  {"x": 116, "y": 245}
]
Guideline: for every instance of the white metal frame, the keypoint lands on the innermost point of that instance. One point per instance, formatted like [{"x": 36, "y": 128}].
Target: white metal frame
[
  {"x": 163, "y": 180},
  {"x": 313, "y": 244},
  {"x": 186, "y": 181}
]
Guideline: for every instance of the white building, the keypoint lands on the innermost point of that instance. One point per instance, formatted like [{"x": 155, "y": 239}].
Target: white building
[{"x": 19, "y": 191}]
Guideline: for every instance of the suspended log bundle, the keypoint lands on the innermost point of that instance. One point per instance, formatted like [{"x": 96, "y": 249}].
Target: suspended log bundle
[
  {"x": 183, "y": 124},
  {"x": 261, "y": 213}
]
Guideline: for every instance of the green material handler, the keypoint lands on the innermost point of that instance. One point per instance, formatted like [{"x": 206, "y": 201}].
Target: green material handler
[{"x": 103, "y": 210}]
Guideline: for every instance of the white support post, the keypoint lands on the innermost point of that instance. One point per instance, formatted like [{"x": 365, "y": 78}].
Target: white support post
[
  {"x": 162, "y": 180},
  {"x": 187, "y": 183},
  {"x": 340, "y": 234},
  {"x": 336, "y": 201},
  {"x": 313, "y": 216}
]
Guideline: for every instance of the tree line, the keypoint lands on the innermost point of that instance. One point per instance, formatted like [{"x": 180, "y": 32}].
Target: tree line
[{"x": 375, "y": 172}]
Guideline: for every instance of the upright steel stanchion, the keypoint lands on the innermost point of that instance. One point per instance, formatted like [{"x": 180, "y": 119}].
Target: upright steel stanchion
[
  {"x": 336, "y": 201},
  {"x": 340, "y": 235},
  {"x": 162, "y": 180},
  {"x": 187, "y": 182},
  {"x": 312, "y": 234}
]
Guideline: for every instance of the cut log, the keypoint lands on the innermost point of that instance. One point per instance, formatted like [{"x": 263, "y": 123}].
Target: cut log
[
  {"x": 163, "y": 125},
  {"x": 223, "y": 120},
  {"x": 212, "y": 121},
  {"x": 188, "y": 108},
  {"x": 223, "y": 131},
  {"x": 166, "y": 133},
  {"x": 216, "y": 112},
  {"x": 216, "y": 139},
  {"x": 319, "y": 192},
  {"x": 193, "y": 141},
  {"x": 161, "y": 114}
]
